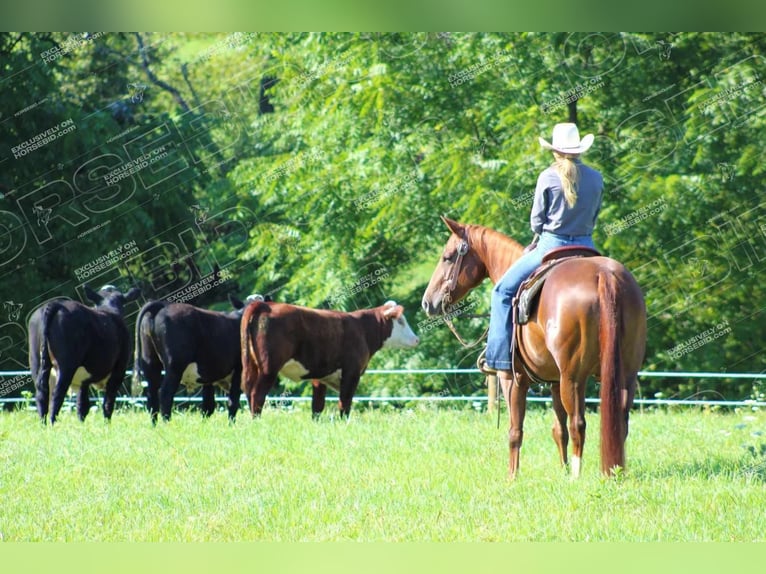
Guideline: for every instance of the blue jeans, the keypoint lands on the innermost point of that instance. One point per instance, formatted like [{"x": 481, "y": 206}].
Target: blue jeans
[{"x": 501, "y": 321}]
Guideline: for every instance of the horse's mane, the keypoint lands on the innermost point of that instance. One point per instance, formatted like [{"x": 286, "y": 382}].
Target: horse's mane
[
  {"x": 489, "y": 236},
  {"x": 497, "y": 250}
]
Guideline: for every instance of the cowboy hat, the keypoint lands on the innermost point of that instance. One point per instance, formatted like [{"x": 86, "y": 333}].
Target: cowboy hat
[{"x": 566, "y": 139}]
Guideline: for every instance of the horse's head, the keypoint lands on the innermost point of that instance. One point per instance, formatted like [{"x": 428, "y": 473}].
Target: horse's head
[{"x": 460, "y": 269}]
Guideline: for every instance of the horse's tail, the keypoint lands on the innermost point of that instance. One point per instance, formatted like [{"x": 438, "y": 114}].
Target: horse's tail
[
  {"x": 612, "y": 417},
  {"x": 151, "y": 307},
  {"x": 249, "y": 324}
]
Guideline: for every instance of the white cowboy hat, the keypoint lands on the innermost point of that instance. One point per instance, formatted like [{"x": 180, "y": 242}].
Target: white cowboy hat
[{"x": 566, "y": 139}]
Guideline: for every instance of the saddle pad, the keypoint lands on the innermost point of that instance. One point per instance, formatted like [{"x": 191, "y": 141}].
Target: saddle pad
[
  {"x": 529, "y": 290},
  {"x": 526, "y": 298}
]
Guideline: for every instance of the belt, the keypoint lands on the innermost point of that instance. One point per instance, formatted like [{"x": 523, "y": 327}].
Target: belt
[{"x": 568, "y": 237}]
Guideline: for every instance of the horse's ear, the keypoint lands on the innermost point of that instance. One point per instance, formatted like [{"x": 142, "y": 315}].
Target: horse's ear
[{"x": 453, "y": 226}]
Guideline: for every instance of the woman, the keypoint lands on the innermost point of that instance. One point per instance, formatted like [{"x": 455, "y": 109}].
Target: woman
[{"x": 566, "y": 204}]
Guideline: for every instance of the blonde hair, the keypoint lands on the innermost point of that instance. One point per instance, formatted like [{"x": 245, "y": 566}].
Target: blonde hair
[{"x": 566, "y": 169}]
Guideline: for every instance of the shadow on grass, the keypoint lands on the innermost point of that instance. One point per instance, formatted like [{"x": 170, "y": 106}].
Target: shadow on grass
[{"x": 749, "y": 468}]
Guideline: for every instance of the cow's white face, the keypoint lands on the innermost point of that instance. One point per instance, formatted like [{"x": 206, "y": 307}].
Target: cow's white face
[{"x": 402, "y": 335}]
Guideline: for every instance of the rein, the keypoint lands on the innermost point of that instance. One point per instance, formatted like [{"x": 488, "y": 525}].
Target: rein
[{"x": 462, "y": 250}]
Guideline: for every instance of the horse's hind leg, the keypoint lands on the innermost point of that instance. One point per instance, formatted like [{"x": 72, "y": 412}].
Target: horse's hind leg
[
  {"x": 573, "y": 400},
  {"x": 559, "y": 430}
]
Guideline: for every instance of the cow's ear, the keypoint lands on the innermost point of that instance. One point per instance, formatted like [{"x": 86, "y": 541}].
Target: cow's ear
[
  {"x": 455, "y": 227},
  {"x": 392, "y": 310},
  {"x": 92, "y": 295},
  {"x": 235, "y": 302},
  {"x": 132, "y": 294}
]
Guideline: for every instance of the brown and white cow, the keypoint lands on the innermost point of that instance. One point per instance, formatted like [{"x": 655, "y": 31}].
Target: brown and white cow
[{"x": 331, "y": 348}]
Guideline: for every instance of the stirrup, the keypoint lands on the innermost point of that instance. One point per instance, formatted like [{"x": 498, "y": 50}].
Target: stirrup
[{"x": 481, "y": 364}]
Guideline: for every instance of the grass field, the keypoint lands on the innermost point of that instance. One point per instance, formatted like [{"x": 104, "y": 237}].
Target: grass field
[{"x": 422, "y": 474}]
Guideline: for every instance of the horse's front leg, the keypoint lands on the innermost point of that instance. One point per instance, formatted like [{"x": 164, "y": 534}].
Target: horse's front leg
[{"x": 515, "y": 392}]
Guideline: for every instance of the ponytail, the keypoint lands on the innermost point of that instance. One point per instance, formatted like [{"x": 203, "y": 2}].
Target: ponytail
[{"x": 566, "y": 169}]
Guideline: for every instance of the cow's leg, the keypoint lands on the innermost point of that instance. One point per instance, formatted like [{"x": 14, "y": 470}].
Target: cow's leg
[
  {"x": 153, "y": 375},
  {"x": 348, "y": 384},
  {"x": 258, "y": 392},
  {"x": 153, "y": 401},
  {"x": 112, "y": 388},
  {"x": 83, "y": 401},
  {"x": 317, "y": 398},
  {"x": 42, "y": 396},
  {"x": 168, "y": 390},
  {"x": 208, "y": 400},
  {"x": 60, "y": 390},
  {"x": 235, "y": 392}
]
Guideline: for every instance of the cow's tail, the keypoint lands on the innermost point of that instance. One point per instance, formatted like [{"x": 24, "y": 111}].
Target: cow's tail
[
  {"x": 612, "y": 416},
  {"x": 150, "y": 309},
  {"x": 248, "y": 331},
  {"x": 49, "y": 312}
]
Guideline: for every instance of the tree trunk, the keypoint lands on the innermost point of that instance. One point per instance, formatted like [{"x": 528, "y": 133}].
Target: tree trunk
[{"x": 572, "y": 112}]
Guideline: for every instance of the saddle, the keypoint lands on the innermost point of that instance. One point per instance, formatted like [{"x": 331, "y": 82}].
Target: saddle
[
  {"x": 527, "y": 295},
  {"x": 525, "y": 301}
]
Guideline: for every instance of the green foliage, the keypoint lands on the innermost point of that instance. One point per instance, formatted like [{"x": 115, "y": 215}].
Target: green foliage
[{"x": 307, "y": 164}]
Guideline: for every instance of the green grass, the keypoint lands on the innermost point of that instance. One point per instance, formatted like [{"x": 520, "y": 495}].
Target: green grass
[{"x": 408, "y": 475}]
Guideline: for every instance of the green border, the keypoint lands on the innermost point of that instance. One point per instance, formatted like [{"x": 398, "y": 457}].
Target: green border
[
  {"x": 388, "y": 15},
  {"x": 352, "y": 558},
  {"x": 288, "y": 15}
]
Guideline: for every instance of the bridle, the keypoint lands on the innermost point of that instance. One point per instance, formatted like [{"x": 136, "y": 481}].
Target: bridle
[{"x": 449, "y": 287}]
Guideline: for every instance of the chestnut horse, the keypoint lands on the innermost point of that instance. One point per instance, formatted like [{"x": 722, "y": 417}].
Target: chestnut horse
[{"x": 590, "y": 320}]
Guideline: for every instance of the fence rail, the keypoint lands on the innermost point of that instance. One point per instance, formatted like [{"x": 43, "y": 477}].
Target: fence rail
[{"x": 475, "y": 399}]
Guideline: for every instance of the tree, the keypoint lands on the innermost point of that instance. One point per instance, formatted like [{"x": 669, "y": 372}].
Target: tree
[{"x": 314, "y": 167}]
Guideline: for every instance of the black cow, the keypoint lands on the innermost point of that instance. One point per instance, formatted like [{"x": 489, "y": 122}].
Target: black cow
[
  {"x": 80, "y": 346},
  {"x": 195, "y": 347}
]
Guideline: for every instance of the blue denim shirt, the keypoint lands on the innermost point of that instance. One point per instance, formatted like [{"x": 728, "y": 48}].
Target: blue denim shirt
[{"x": 550, "y": 211}]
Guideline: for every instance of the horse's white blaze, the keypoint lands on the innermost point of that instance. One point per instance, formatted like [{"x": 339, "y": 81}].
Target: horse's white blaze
[
  {"x": 576, "y": 466},
  {"x": 402, "y": 336}
]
